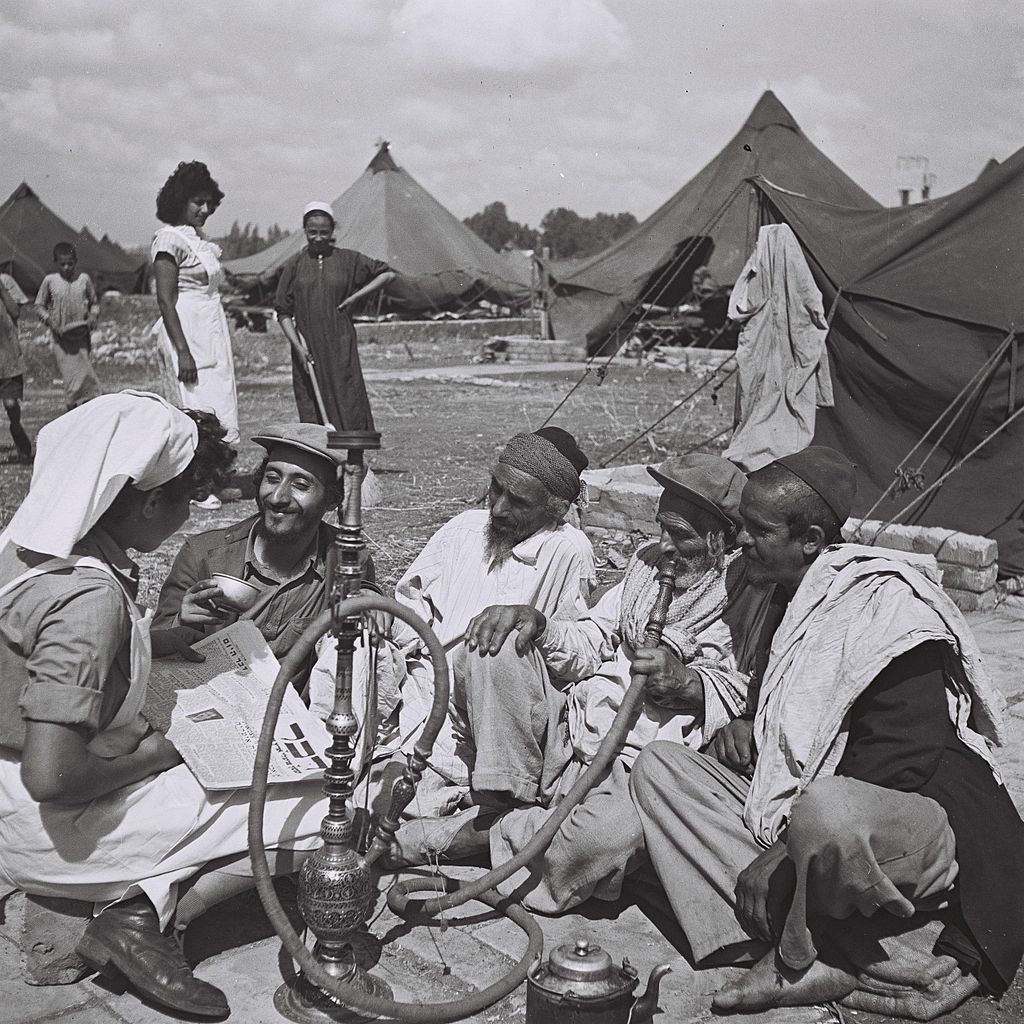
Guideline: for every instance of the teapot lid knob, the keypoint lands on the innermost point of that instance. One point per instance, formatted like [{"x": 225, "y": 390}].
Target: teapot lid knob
[{"x": 581, "y": 961}]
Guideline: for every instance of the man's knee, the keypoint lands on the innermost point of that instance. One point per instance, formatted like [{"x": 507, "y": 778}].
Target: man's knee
[
  {"x": 657, "y": 764},
  {"x": 519, "y": 676},
  {"x": 820, "y": 814}
]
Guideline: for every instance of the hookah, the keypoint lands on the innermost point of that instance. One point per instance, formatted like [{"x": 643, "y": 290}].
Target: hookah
[{"x": 336, "y": 885}]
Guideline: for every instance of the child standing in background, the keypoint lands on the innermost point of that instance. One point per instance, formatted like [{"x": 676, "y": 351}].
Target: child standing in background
[
  {"x": 68, "y": 305},
  {"x": 12, "y": 365}
]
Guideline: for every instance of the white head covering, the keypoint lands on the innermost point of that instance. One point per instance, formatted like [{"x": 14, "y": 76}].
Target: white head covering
[
  {"x": 85, "y": 457},
  {"x": 318, "y": 206}
]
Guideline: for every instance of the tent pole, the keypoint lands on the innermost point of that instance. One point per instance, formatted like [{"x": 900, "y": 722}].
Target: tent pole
[{"x": 545, "y": 326}]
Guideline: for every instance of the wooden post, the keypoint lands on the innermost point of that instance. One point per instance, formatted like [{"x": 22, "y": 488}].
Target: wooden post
[{"x": 545, "y": 326}]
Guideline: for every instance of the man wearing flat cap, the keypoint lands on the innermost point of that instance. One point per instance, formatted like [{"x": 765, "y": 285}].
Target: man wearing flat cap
[
  {"x": 540, "y": 695},
  {"x": 853, "y": 840},
  {"x": 519, "y": 549},
  {"x": 281, "y": 549}
]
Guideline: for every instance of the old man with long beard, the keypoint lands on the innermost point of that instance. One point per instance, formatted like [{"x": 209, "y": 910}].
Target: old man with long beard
[
  {"x": 518, "y": 550},
  {"x": 538, "y": 695}
]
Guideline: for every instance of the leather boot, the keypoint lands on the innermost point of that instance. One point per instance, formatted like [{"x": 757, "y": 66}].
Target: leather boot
[{"x": 126, "y": 939}]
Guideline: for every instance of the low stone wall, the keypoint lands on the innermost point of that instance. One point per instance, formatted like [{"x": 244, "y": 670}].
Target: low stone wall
[
  {"x": 624, "y": 500},
  {"x": 968, "y": 563},
  {"x": 432, "y": 332},
  {"x": 525, "y": 349}
]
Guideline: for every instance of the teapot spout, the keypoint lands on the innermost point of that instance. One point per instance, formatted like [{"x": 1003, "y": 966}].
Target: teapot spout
[{"x": 646, "y": 1006}]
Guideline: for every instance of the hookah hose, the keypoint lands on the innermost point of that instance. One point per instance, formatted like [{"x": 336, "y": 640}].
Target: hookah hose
[
  {"x": 336, "y": 988},
  {"x": 457, "y": 894},
  {"x": 611, "y": 745}
]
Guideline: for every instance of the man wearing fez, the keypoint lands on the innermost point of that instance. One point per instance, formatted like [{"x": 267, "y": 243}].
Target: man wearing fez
[
  {"x": 853, "y": 841},
  {"x": 538, "y": 696},
  {"x": 281, "y": 550},
  {"x": 519, "y": 549}
]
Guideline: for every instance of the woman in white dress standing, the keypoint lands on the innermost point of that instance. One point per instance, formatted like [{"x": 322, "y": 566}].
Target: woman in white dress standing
[{"x": 192, "y": 332}]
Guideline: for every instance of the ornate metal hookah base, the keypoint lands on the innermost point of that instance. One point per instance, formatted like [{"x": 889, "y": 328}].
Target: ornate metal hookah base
[{"x": 336, "y": 888}]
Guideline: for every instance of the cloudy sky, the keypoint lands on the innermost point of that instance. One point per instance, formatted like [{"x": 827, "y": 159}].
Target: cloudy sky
[{"x": 592, "y": 104}]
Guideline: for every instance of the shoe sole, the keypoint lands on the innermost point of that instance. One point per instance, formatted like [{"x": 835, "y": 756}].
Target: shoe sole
[{"x": 103, "y": 960}]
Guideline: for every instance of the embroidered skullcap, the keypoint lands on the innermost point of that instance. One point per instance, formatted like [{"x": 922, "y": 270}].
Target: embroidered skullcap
[
  {"x": 828, "y": 473},
  {"x": 85, "y": 457},
  {"x": 317, "y": 206},
  {"x": 551, "y": 456}
]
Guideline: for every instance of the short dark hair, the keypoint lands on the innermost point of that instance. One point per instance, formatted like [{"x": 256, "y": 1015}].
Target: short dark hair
[
  {"x": 802, "y": 506},
  {"x": 64, "y": 249},
  {"x": 335, "y": 491},
  {"x": 210, "y": 468},
  {"x": 188, "y": 179}
]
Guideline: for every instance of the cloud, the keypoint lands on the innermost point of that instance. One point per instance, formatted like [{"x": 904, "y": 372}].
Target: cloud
[
  {"x": 502, "y": 38},
  {"x": 594, "y": 105}
]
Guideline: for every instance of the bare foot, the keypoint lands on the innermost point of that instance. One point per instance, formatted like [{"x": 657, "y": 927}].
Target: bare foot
[{"x": 771, "y": 983}]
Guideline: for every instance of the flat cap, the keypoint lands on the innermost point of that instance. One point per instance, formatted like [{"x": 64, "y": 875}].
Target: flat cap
[
  {"x": 708, "y": 481},
  {"x": 307, "y": 437},
  {"x": 828, "y": 473}
]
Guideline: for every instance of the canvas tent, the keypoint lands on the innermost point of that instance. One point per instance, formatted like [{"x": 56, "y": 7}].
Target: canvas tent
[
  {"x": 992, "y": 164},
  {"x": 441, "y": 264},
  {"x": 29, "y": 229},
  {"x": 926, "y": 294},
  {"x": 712, "y": 219}
]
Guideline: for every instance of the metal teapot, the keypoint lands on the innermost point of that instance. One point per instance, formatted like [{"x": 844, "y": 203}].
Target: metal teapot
[{"x": 580, "y": 985}]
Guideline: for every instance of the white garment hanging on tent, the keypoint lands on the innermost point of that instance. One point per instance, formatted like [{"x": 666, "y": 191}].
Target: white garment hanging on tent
[{"x": 783, "y": 364}]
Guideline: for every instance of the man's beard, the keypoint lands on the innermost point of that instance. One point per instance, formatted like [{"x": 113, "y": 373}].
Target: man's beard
[
  {"x": 500, "y": 542},
  {"x": 691, "y": 569}
]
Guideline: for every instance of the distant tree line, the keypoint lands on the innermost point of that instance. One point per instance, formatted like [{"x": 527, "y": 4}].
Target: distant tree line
[
  {"x": 564, "y": 231},
  {"x": 239, "y": 241}
]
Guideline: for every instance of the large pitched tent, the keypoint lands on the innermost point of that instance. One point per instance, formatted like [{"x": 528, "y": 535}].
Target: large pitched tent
[
  {"x": 712, "y": 219},
  {"x": 927, "y": 298},
  {"x": 29, "y": 229},
  {"x": 441, "y": 264}
]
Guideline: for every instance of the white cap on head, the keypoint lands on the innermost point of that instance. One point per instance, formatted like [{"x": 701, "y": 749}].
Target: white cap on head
[
  {"x": 86, "y": 456},
  {"x": 317, "y": 206}
]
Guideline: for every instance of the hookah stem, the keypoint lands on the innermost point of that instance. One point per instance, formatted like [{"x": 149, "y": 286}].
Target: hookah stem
[
  {"x": 611, "y": 745},
  {"x": 346, "y": 582}
]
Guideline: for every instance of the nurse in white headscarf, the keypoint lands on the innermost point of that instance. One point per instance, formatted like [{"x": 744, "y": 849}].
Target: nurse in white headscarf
[{"x": 94, "y": 805}]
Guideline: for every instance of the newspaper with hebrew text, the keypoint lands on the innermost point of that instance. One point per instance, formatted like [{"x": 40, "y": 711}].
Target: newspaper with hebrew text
[{"x": 212, "y": 711}]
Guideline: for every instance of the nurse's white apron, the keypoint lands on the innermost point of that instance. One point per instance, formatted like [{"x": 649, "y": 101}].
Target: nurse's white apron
[
  {"x": 206, "y": 331},
  {"x": 147, "y": 836}
]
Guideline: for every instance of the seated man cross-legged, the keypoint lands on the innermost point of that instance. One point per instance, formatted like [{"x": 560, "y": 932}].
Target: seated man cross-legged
[
  {"x": 854, "y": 840},
  {"x": 539, "y": 695},
  {"x": 519, "y": 549}
]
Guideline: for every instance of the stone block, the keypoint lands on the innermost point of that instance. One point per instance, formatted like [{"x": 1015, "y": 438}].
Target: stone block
[
  {"x": 541, "y": 350},
  {"x": 624, "y": 506},
  {"x": 960, "y": 577},
  {"x": 50, "y": 930},
  {"x": 969, "y": 601},
  {"x": 950, "y": 546}
]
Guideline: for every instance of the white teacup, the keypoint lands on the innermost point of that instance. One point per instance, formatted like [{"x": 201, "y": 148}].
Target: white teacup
[{"x": 238, "y": 596}]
